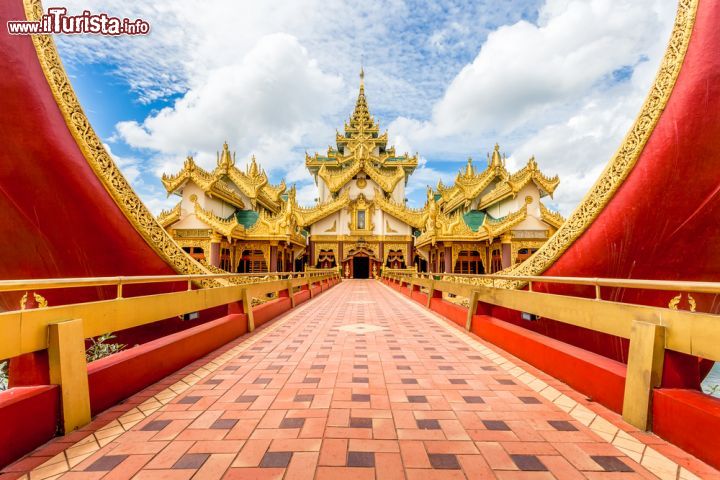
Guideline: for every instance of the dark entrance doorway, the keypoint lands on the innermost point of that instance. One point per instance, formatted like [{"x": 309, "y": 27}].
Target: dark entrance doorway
[{"x": 361, "y": 267}]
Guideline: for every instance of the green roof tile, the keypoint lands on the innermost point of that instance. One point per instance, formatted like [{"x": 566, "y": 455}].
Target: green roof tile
[
  {"x": 247, "y": 218},
  {"x": 474, "y": 219}
]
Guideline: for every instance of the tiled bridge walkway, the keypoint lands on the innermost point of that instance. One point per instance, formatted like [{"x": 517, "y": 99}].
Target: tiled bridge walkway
[{"x": 358, "y": 383}]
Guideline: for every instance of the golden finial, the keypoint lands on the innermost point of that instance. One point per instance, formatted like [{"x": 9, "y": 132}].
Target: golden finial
[
  {"x": 469, "y": 170},
  {"x": 496, "y": 161},
  {"x": 225, "y": 159}
]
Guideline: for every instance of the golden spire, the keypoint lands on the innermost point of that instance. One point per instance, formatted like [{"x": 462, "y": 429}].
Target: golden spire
[
  {"x": 253, "y": 168},
  {"x": 225, "y": 160},
  {"x": 496, "y": 161},
  {"x": 469, "y": 170}
]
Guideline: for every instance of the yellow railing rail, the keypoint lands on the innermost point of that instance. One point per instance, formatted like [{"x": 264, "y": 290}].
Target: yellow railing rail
[
  {"x": 668, "y": 285},
  {"x": 62, "y": 329},
  {"x": 650, "y": 329}
]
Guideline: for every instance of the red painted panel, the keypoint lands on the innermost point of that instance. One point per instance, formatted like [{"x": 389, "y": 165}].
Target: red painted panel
[
  {"x": 269, "y": 310},
  {"x": 301, "y": 296},
  {"x": 596, "y": 376},
  {"x": 118, "y": 376},
  {"x": 419, "y": 297},
  {"x": 28, "y": 416},
  {"x": 451, "y": 311},
  {"x": 690, "y": 420}
]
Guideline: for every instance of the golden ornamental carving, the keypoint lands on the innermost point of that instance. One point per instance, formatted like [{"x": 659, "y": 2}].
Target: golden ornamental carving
[
  {"x": 402, "y": 247},
  {"x": 327, "y": 247},
  {"x": 626, "y": 156},
  {"x": 40, "y": 301},
  {"x": 361, "y": 204},
  {"x": 97, "y": 157},
  {"x": 675, "y": 301}
]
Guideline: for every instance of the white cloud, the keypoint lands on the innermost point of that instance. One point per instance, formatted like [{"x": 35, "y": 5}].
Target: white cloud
[
  {"x": 265, "y": 104},
  {"x": 551, "y": 89}
]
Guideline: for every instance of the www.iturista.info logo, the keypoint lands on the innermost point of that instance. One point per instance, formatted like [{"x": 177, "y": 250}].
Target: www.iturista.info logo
[{"x": 56, "y": 20}]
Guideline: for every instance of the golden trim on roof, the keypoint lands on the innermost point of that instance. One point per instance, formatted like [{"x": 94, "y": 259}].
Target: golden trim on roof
[
  {"x": 469, "y": 184},
  {"x": 306, "y": 216},
  {"x": 452, "y": 227},
  {"x": 168, "y": 217},
  {"x": 253, "y": 182},
  {"x": 551, "y": 217},
  {"x": 416, "y": 218}
]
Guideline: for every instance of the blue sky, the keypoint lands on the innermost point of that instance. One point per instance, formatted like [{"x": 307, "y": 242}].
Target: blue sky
[{"x": 558, "y": 79}]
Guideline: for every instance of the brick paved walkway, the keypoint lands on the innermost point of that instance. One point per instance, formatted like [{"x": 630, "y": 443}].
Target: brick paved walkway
[{"x": 359, "y": 383}]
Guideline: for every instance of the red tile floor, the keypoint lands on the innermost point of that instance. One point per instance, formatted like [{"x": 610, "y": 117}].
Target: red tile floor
[{"x": 359, "y": 383}]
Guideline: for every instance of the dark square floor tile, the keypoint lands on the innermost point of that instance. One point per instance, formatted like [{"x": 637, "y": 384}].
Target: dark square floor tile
[
  {"x": 356, "y": 422},
  {"x": 213, "y": 381},
  {"x": 224, "y": 424},
  {"x": 445, "y": 367},
  {"x": 156, "y": 425},
  {"x": 189, "y": 400},
  {"x": 276, "y": 460},
  {"x": 311, "y": 380},
  {"x": 399, "y": 357},
  {"x": 292, "y": 423},
  {"x": 428, "y": 424},
  {"x": 473, "y": 399},
  {"x": 245, "y": 357},
  {"x": 496, "y": 425},
  {"x": 417, "y": 398},
  {"x": 304, "y": 398},
  {"x": 528, "y": 463},
  {"x": 611, "y": 464},
  {"x": 409, "y": 381},
  {"x": 458, "y": 381},
  {"x": 262, "y": 381},
  {"x": 360, "y": 367},
  {"x": 488, "y": 369},
  {"x": 403, "y": 367},
  {"x": 317, "y": 367},
  {"x": 361, "y": 459},
  {"x": 360, "y": 397},
  {"x": 444, "y": 461},
  {"x": 191, "y": 460},
  {"x": 230, "y": 368},
  {"x": 106, "y": 463},
  {"x": 437, "y": 357},
  {"x": 529, "y": 400},
  {"x": 562, "y": 425},
  {"x": 246, "y": 398},
  {"x": 360, "y": 380},
  {"x": 394, "y": 348},
  {"x": 505, "y": 381}
]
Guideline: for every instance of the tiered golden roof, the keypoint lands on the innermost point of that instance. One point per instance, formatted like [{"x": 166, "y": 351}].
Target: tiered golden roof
[
  {"x": 253, "y": 182},
  {"x": 361, "y": 148}
]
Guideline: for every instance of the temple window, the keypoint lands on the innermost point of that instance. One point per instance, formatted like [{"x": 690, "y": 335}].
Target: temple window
[
  {"x": 361, "y": 219},
  {"x": 469, "y": 261},
  {"x": 496, "y": 261}
]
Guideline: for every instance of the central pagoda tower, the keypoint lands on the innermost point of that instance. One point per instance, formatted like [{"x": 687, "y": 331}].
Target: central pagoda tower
[{"x": 361, "y": 237}]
